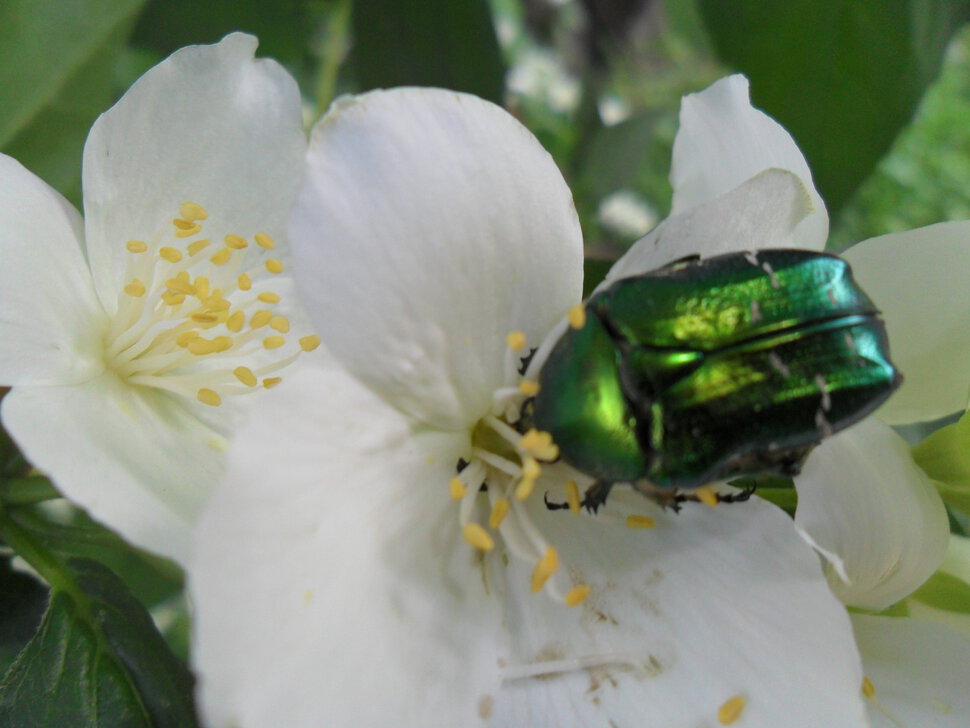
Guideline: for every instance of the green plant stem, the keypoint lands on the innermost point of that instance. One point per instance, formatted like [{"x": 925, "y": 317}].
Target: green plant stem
[
  {"x": 41, "y": 527},
  {"x": 42, "y": 559},
  {"x": 27, "y": 490}
]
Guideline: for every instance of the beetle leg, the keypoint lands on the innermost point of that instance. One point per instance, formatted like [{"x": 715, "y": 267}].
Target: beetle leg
[
  {"x": 595, "y": 496},
  {"x": 554, "y": 506}
]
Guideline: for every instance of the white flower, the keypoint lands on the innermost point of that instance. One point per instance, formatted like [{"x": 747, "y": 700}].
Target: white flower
[
  {"x": 123, "y": 332},
  {"x": 386, "y": 526}
]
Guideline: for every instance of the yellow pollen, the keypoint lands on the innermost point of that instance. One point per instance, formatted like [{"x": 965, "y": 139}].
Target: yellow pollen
[
  {"x": 200, "y": 346},
  {"x": 245, "y": 375},
  {"x": 173, "y": 299},
  {"x": 186, "y": 229},
  {"x": 268, "y": 297},
  {"x": 222, "y": 257},
  {"x": 309, "y": 343},
  {"x": 235, "y": 322},
  {"x": 191, "y": 211},
  {"x": 197, "y": 246},
  {"x": 457, "y": 488},
  {"x": 179, "y": 285},
  {"x": 540, "y": 444},
  {"x": 273, "y": 342},
  {"x": 172, "y": 255},
  {"x": 478, "y": 537},
  {"x": 244, "y": 282},
  {"x": 530, "y": 472},
  {"x": 270, "y": 382},
  {"x": 207, "y": 396},
  {"x": 263, "y": 240},
  {"x": 545, "y": 568},
  {"x": 529, "y": 387},
  {"x": 868, "y": 689},
  {"x": 499, "y": 510},
  {"x": 136, "y": 288},
  {"x": 577, "y": 316},
  {"x": 274, "y": 266},
  {"x": 260, "y": 319},
  {"x": 183, "y": 275},
  {"x": 731, "y": 710},
  {"x": 577, "y": 595},
  {"x": 201, "y": 287},
  {"x": 205, "y": 318},
  {"x": 515, "y": 340},
  {"x": 706, "y": 495},
  {"x": 223, "y": 343},
  {"x": 216, "y": 302},
  {"x": 280, "y": 324},
  {"x": 572, "y": 496},
  {"x": 638, "y": 521},
  {"x": 235, "y": 242},
  {"x": 136, "y": 246},
  {"x": 184, "y": 339}
]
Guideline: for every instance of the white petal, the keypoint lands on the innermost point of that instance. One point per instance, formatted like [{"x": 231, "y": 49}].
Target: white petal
[
  {"x": 864, "y": 503},
  {"x": 708, "y": 605},
  {"x": 920, "y": 672},
  {"x": 50, "y": 321},
  {"x": 723, "y": 141},
  {"x": 920, "y": 281},
  {"x": 431, "y": 225},
  {"x": 209, "y": 125},
  {"x": 764, "y": 212},
  {"x": 330, "y": 583},
  {"x": 135, "y": 458}
]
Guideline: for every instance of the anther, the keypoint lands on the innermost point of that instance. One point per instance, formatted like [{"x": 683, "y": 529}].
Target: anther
[
  {"x": 577, "y": 316},
  {"x": 270, "y": 382},
  {"x": 201, "y": 287},
  {"x": 280, "y": 323},
  {"x": 268, "y": 297},
  {"x": 500, "y": 509},
  {"x": 185, "y": 338},
  {"x": 572, "y": 496},
  {"x": 309, "y": 343},
  {"x": 868, "y": 689},
  {"x": 273, "y": 342},
  {"x": 638, "y": 521},
  {"x": 263, "y": 240},
  {"x": 235, "y": 242},
  {"x": 577, "y": 595},
  {"x": 546, "y": 567},
  {"x": 136, "y": 246},
  {"x": 185, "y": 228},
  {"x": 457, "y": 488},
  {"x": 236, "y": 321},
  {"x": 180, "y": 285},
  {"x": 540, "y": 444},
  {"x": 245, "y": 375},
  {"x": 529, "y": 387},
  {"x": 191, "y": 211},
  {"x": 478, "y": 537},
  {"x": 222, "y": 257},
  {"x": 706, "y": 495},
  {"x": 170, "y": 298},
  {"x": 198, "y": 246},
  {"x": 136, "y": 288},
  {"x": 731, "y": 710},
  {"x": 244, "y": 282},
  {"x": 515, "y": 340},
  {"x": 172, "y": 255},
  {"x": 260, "y": 319},
  {"x": 207, "y": 396},
  {"x": 274, "y": 266}
]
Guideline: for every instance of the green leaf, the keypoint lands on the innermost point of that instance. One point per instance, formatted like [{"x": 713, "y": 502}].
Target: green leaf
[
  {"x": 43, "y": 44},
  {"x": 945, "y": 591},
  {"x": 22, "y": 602},
  {"x": 945, "y": 456},
  {"x": 96, "y": 660},
  {"x": 843, "y": 77},
  {"x": 428, "y": 43}
]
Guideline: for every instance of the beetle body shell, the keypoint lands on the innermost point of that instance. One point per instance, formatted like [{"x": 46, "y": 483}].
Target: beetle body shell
[{"x": 709, "y": 369}]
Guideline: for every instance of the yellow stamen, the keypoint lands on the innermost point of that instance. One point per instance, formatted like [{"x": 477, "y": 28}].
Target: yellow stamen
[
  {"x": 274, "y": 266},
  {"x": 280, "y": 323},
  {"x": 198, "y": 246},
  {"x": 477, "y": 537},
  {"x": 222, "y": 257},
  {"x": 731, "y": 710},
  {"x": 868, "y": 689},
  {"x": 201, "y": 287},
  {"x": 515, "y": 340},
  {"x": 540, "y": 444},
  {"x": 572, "y": 496},
  {"x": 577, "y": 316},
  {"x": 135, "y": 289},
  {"x": 529, "y": 387},
  {"x": 268, "y": 297},
  {"x": 273, "y": 342},
  {"x": 263, "y": 240},
  {"x": 260, "y": 319},
  {"x": 309, "y": 343},
  {"x": 207, "y": 396},
  {"x": 499, "y": 510},
  {"x": 245, "y": 283},
  {"x": 530, "y": 472},
  {"x": 191, "y": 211},
  {"x": 245, "y": 375},
  {"x": 638, "y": 521},
  {"x": 200, "y": 346},
  {"x": 270, "y": 382},
  {"x": 185, "y": 229},
  {"x": 205, "y": 318},
  {"x": 577, "y": 595},
  {"x": 180, "y": 286},
  {"x": 172, "y": 255},
  {"x": 136, "y": 246},
  {"x": 236, "y": 322},
  {"x": 235, "y": 242},
  {"x": 173, "y": 299},
  {"x": 216, "y": 302},
  {"x": 457, "y": 488},
  {"x": 706, "y": 495},
  {"x": 223, "y": 343},
  {"x": 545, "y": 568},
  {"x": 184, "y": 338}
]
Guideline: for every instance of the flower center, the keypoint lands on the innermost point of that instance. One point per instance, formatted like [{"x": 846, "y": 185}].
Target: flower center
[{"x": 198, "y": 319}]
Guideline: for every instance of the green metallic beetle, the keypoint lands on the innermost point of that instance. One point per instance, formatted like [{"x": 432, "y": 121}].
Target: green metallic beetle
[{"x": 713, "y": 368}]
